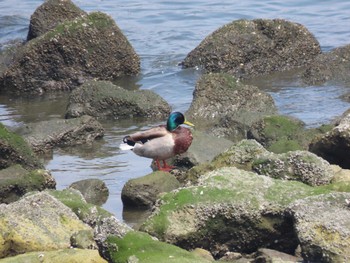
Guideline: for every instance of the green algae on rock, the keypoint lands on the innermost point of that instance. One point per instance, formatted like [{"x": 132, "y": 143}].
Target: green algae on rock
[
  {"x": 230, "y": 210},
  {"x": 15, "y": 150},
  {"x": 140, "y": 247}
]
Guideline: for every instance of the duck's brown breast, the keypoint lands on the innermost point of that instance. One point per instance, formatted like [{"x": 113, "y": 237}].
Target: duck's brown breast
[{"x": 183, "y": 139}]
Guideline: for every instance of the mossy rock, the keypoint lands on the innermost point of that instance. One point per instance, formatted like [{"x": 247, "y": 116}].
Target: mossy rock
[
  {"x": 303, "y": 166},
  {"x": 15, "y": 150},
  {"x": 141, "y": 247},
  {"x": 58, "y": 256},
  {"x": 88, "y": 47},
  {"x": 15, "y": 181},
  {"x": 281, "y": 134},
  {"x": 248, "y": 206}
]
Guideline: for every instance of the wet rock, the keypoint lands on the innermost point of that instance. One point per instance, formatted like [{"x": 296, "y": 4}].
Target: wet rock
[
  {"x": 38, "y": 222},
  {"x": 45, "y": 135},
  {"x": 140, "y": 247},
  {"x": 269, "y": 255},
  {"x": 241, "y": 155},
  {"x": 334, "y": 146},
  {"x": 58, "y": 256},
  {"x": 280, "y": 134},
  {"x": 322, "y": 225},
  {"x": 94, "y": 191},
  {"x": 103, "y": 222},
  {"x": 203, "y": 149},
  {"x": 15, "y": 150},
  {"x": 15, "y": 182},
  {"x": 105, "y": 100},
  {"x": 295, "y": 165},
  {"x": 88, "y": 47},
  {"x": 50, "y": 14},
  {"x": 246, "y": 48},
  {"x": 229, "y": 210},
  {"x": 227, "y": 107},
  {"x": 331, "y": 66},
  {"x": 144, "y": 191},
  {"x": 83, "y": 239}
]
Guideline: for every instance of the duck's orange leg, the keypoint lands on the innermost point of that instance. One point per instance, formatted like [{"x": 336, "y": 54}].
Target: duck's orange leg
[{"x": 165, "y": 168}]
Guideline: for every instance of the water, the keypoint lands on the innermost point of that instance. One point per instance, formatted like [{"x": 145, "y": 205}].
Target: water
[{"x": 163, "y": 33}]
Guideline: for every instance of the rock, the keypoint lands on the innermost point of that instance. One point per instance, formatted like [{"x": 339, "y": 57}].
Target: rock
[
  {"x": 140, "y": 247},
  {"x": 203, "y": 149},
  {"x": 58, "y": 256},
  {"x": 240, "y": 155},
  {"x": 322, "y": 225},
  {"x": 227, "y": 107},
  {"x": 105, "y": 100},
  {"x": 280, "y": 134},
  {"x": 334, "y": 146},
  {"x": 229, "y": 210},
  {"x": 15, "y": 182},
  {"x": 295, "y": 165},
  {"x": 269, "y": 255},
  {"x": 144, "y": 191},
  {"x": 333, "y": 65},
  {"x": 203, "y": 253},
  {"x": 94, "y": 191},
  {"x": 15, "y": 150},
  {"x": 45, "y": 135},
  {"x": 340, "y": 175},
  {"x": 247, "y": 48},
  {"x": 88, "y": 47},
  {"x": 50, "y": 14},
  {"x": 38, "y": 222},
  {"x": 83, "y": 239},
  {"x": 102, "y": 221}
]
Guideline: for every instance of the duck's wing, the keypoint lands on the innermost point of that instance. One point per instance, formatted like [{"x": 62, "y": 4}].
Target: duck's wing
[{"x": 144, "y": 136}]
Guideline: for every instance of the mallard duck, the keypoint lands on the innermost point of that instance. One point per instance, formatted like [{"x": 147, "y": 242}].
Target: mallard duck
[{"x": 162, "y": 142}]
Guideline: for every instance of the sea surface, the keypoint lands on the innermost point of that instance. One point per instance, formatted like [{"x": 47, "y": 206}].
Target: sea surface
[{"x": 163, "y": 33}]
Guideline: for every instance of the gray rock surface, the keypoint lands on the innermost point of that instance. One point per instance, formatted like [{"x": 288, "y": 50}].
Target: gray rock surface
[
  {"x": 145, "y": 190},
  {"x": 94, "y": 191},
  {"x": 45, "y": 135},
  {"x": 246, "y": 48},
  {"x": 103, "y": 99},
  {"x": 50, "y": 14},
  {"x": 322, "y": 224},
  {"x": 89, "y": 47},
  {"x": 295, "y": 165},
  {"x": 226, "y": 107},
  {"x": 331, "y": 66},
  {"x": 15, "y": 181},
  {"x": 334, "y": 146}
]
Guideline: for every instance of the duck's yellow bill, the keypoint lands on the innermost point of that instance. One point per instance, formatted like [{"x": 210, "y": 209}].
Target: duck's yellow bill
[{"x": 188, "y": 123}]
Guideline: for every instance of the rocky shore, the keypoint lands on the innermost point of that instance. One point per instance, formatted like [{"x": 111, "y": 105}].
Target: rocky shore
[{"x": 255, "y": 186}]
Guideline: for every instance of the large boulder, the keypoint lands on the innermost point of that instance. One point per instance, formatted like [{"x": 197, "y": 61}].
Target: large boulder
[
  {"x": 38, "y": 222},
  {"x": 50, "y": 14},
  {"x": 334, "y": 146},
  {"x": 103, "y": 99},
  {"x": 91, "y": 46},
  {"x": 322, "y": 225},
  {"x": 227, "y": 107},
  {"x": 229, "y": 210},
  {"x": 331, "y": 66},
  {"x": 15, "y": 181},
  {"x": 45, "y": 135},
  {"x": 144, "y": 191},
  {"x": 15, "y": 150},
  {"x": 295, "y": 165},
  {"x": 246, "y": 48}
]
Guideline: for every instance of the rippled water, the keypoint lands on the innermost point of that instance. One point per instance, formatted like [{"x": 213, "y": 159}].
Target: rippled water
[{"x": 163, "y": 33}]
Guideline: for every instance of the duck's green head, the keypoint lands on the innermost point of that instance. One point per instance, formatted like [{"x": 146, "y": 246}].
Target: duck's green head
[{"x": 175, "y": 119}]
